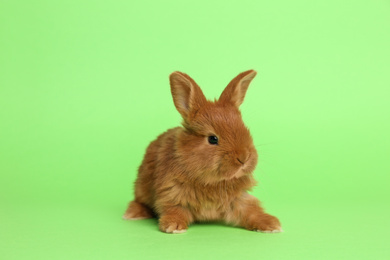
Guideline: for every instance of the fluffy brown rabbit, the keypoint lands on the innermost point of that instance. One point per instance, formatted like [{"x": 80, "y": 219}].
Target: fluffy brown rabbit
[{"x": 203, "y": 170}]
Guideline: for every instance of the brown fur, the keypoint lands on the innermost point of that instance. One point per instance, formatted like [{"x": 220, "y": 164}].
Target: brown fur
[{"x": 183, "y": 178}]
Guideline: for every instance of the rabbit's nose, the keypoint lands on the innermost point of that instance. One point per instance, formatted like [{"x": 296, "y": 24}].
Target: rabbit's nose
[
  {"x": 243, "y": 157},
  {"x": 238, "y": 159}
]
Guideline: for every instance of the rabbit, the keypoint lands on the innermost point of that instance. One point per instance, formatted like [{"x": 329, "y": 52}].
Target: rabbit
[{"x": 202, "y": 171}]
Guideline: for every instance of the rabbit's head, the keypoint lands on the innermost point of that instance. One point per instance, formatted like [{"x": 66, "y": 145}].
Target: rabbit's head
[{"x": 215, "y": 144}]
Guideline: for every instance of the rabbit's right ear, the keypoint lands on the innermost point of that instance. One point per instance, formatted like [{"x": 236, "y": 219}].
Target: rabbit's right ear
[
  {"x": 235, "y": 91},
  {"x": 187, "y": 95}
]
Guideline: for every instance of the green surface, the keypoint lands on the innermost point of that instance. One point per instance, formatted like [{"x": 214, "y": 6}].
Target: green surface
[{"x": 84, "y": 89}]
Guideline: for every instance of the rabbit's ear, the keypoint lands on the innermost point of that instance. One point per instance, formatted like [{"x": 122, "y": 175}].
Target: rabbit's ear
[
  {"x": 187, "y": 95},
  {"x": 235, "y": 91}
]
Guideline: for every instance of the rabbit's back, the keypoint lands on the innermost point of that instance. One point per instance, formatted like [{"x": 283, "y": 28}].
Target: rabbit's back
[{"x": 156, "y": 154}]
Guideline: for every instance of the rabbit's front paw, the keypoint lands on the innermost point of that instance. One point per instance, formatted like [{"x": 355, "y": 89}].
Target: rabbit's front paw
[{"x": 172, "y": 225}]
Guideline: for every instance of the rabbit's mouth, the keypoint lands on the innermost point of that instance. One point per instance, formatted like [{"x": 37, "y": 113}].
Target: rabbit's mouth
[
  {"x": 231, "y": 168},
  {"x": 242, "y": 170}
]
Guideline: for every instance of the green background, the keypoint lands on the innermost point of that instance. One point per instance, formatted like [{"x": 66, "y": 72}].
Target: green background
[{"x": 84, "y": 89}]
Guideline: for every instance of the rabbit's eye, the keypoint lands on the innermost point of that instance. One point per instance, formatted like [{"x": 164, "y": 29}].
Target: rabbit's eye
[{"x": 213, "y": 139}]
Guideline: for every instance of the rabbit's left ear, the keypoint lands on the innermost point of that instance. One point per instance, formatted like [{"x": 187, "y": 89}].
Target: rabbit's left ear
[
  {"x": 187, "y": 95},
  {"x": 235, "y": 91}
]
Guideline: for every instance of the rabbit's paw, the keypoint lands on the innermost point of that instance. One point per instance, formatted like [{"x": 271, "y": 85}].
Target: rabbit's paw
[
  {"x": 137, "y": 211},
  {"x": 172, "y": 225},
  {"x": 268, "y": 224}
]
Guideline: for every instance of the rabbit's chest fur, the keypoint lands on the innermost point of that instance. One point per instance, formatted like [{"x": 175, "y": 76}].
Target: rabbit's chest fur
[
  {"x": 211, "y": 202},
  {"x": 205, "y": 202}
]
